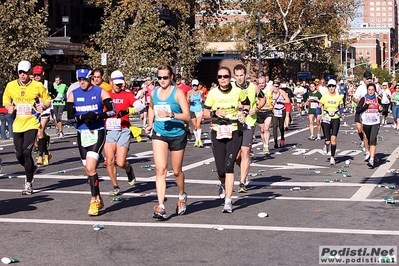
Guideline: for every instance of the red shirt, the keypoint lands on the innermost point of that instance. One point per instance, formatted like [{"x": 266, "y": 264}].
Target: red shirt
[
  {"x": 185, "y": 88},
  {"x": 122, "y": 101}
]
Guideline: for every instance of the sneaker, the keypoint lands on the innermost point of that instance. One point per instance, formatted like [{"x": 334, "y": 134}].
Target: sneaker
[
  {"x": 362, "y": 146},
  {"x": 275, "y": 145},
  {"x": 222, "y": 191},
  {"x": 28, "y": 189},
  {"x": 200, "y": 144},
  {"x": 332, "y": 161},
  {"x": 115, "y": 192},
  {"x": 367, "y": 157},
  {"x": 228, "y": 207},
  {"x": 196, "y": 143},
  {"x": 325, "y": 149},
  {"x": 394, "y": 126},
  {"x": 181, "y": 205},
  {"x": 370, "y": 164},
  {"x": 266, "y": 150},
  {"x": 39, "y": 160},
  {"x": 242, "y": 188},
  {"x": 131, "y": 178},
  {"x": 95, "y": 207},
  {"x": 159, "y": 213},
  {"x": 318, "y": 137},
  {"x": 311, "y": 137},
  {"x": 47, "y": 158},
  {"x": 282, "y": 143},
  {"x": 61, "y": 135}
]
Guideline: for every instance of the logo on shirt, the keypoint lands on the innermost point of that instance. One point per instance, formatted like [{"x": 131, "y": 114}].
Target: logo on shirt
[
  {"x": 93, "y": 97},
  {"x": 118, "y": 101},
  {"x": 80, "y": 99}
]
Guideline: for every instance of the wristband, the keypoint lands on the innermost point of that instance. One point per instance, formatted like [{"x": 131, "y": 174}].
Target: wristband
[
  {"x": 172, "y": 115},
  {"x": 246, "y": 112}
]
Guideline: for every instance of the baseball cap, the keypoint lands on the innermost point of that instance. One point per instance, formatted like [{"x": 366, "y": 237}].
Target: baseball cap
[
  {"x": 385, "y": 83},
  {"x": 83, "y": 73},
  {"x": 178, "y": 76},
  {"x": 276, "y": 82},
  {"x": 283, "y": 85},
  {"x": 37, "y": 70},
  {"x": 194, "y": 82},
  {"x": 24, "y": 66},
  {"x": 367, "y": 75},
  {"x": 117, "y": 77},
  {"x": 332, "y": 82}
]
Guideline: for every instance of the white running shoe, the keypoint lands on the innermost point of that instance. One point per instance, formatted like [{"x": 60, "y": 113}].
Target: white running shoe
[
  {"x": 367, "y": 157},
  {"x": 325, "y": 150},
  {"x": 332, "y": 161}
]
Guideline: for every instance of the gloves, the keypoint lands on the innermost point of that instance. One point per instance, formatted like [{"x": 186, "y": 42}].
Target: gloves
[
  {"x": 88, "y": 122},
  {"x": 90, "y": 115},
  {"x": 122, "y": 113}
]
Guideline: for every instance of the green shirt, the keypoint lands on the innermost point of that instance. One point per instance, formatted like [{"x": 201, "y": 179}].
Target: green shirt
[{"x": 61, "y": 94}]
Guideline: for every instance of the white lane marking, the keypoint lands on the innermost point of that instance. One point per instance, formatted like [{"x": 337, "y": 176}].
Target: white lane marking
[
  {"x": 364, "y": 191},
  {"x": 289, "y": 166},
  {"x": 214, "y": 197},
  {"x": 207, "y": 226}
]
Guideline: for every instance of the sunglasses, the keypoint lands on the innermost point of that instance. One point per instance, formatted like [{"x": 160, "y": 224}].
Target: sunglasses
[
  {"x": 36, "y": 75},
  {"x": 21, "y": 71},
  {"x": 223, "y": 76},
  {"x": 163, "y": 77},
  {"x": 83, "y": 79},
  {"x": 331, "y": 86},
  {"x": 96, "y": 77}
]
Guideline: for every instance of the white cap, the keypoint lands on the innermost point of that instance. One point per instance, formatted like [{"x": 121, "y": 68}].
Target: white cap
[
  {"x": 332, "y": 82},
  {"x": 283, "y": 85},
  {"x": 195, "y": 82},
  {"x": 24, "y": 66},
  {"x": 117, "y": 77},
  {"x": 385, "y": 83}
]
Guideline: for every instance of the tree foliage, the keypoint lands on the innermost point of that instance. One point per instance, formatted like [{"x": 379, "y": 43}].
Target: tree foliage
[
  {"x": 137, "y": 37},
  {"x": 23, "y": 35}
]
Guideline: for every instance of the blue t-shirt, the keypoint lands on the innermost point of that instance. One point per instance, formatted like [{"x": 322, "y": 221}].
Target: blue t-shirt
[
  {"x": 342, "y": 89},
  {"x": 195, "y": 102}
]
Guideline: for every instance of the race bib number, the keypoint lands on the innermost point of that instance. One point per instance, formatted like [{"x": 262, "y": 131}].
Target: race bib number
[
  {"x": 326, "y": 120},
  {"x": 371, "y": 117},
  {"x": 314, "y": 105},
  {"x": 113, "y": 124},
  {"x": 298, "y": 100},
  {"x": 162, "y": 112},
  {"x": 278, "y": 113},
  {"x": 224, "y": 132},
  {"x": 88, "y": 137},
  {"x": 24, "y": 109},
  {"x": 198, "y": 114}
]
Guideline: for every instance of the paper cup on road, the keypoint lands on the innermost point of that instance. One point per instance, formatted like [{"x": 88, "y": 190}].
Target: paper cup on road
[
  {"x": 262, "y": 215},
  {"x": 348, "y": 162},
  {"x": 8, "y": 260}
]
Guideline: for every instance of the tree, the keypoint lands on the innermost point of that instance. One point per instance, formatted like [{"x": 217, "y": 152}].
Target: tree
[
  {"x": 137, "y": 39},
  {"x": 23, "y": 35}
]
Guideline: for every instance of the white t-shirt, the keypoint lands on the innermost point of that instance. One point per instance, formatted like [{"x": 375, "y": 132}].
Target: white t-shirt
[{"x": 386, "y": 96}]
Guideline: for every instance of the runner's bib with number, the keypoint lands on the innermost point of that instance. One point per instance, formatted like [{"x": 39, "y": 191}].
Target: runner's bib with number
[
  {"x": 371, "y": 117},
  {"x": 224, "y": 132},
  {"x": 88, "y": 137},
  {"x": 198, "y": 114},
  {"x": 162, "y": 112},
  {"x": 278, "y": 112},
  {"x": 314, "y": 105},
  {"x": 24, "y": 109},
  {"x": 326, "y": 120},
  {"x": 113, "y": 124}
]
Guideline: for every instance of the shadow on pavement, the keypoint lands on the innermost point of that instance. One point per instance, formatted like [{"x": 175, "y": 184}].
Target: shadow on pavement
[{"x": 21, "y": 204}]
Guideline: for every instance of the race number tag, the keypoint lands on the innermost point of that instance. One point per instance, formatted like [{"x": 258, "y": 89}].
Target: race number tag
[
  {"x": 298, "y": 100},
  {"x": 113, "y": 124},
  {"x": 88, "y": 137},
  {"x": 326, "y": 120},
  {"x": 224, "y": 132},
  {"x": 198, "y": 114},
  {"x": 162, "y": 112},
  {"x": 24, "y": 109},
  {"x": 278, "y": 113},
  {"x": 314, "y": 105}
]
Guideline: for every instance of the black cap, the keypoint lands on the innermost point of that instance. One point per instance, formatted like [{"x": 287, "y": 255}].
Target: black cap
[
  {"x": 178, "y": 76},
  {"x": 367, "y": 75},
  {"x": 276, "y": 82}
]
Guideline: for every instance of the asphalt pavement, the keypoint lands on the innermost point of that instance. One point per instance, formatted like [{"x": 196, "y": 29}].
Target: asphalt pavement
[{"x": 51, "y": 226}]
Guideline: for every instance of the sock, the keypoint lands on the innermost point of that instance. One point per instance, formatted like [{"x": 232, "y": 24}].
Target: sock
[
  {"x": 181, "y": 197},
  {"x": 199, "y": 132},
  {"x": 162, "y": 206},
  {"x": 361, "y": 136},
  {"x": 95, "y": 189},
  {"x": 227, "y": 200},
  {"x": 333, "y": 149},
  {"x": 41, "y": 146}
]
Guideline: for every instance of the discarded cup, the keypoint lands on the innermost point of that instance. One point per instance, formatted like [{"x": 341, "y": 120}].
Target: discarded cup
[
  {"x": 98, "y": 227},
  {"x": 327, "y": 181},
  {"x": 117, "y": 199},
  {"x": 117, "y": 174},
  {"x": 337, "y": 180},
  {"x": 295, "y": 188},
  {"x": 62, "y": 172},
  {"x": 390, "y": 200},
  {"x": 311, "y": 168},
  {"x": 9, "y": 260},
  {"x": 1, "y": 148},
  {"x": 391, "y": 187},
  {"x": 74, "y": 143},
  {"x": 316, "y": 172},
  {"x": 150, "y": 169},
  {"x": 218, "y": 228},
  {"x": 262, "y": 214},
  {"x": 347, "y": 162},
  {"x": 146, "y": 166},
  {"x": 347, "y": 175},
  {"x": 206, "y": 163},
  {"x": 12, "y": 176},
  {"x": 214, "y": 170},
  {"x": 338, "y": 172}
]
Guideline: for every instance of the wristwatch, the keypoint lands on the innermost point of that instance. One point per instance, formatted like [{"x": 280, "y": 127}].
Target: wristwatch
[{"x": 172, "y": 115}]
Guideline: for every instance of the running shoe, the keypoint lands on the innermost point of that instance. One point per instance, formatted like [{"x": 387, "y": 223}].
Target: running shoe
[
  {"x": 266, "y": 150},
  {"x": 332, "y": 161},
  {"x": 95, "y": 207},
  {"x": 28, "y": 189},
  {"x": 222, "y": 191},
  {"x": 181, "y": 205},
  {"x": 325, "y": 149},
  {"x": 39, "y": 160},
  {"x": 61, "y": 135},
  {"x": 318, "y": 137},
  {"x": 242, "y": 188},
  {"x": 367, "y": 157},
  {"x": 159, "y": 213},
  {"x": 200, "y": 144},
  {"x": 47, "y": 158},
  {"x": 196, "y": 143},
  {"x": 275, "y": 145},
  {"x": 228, "y": 207},
  {"x": 131, "y": 178},
  {"x": 282, "y": 143},
  {"x": 311, "y": 137},
  {"x": 115, "y": 192},
  {"x": 394, "y": 126},
  {"x": 371, "y": 164},
  {"x": 362, "y": 146}
]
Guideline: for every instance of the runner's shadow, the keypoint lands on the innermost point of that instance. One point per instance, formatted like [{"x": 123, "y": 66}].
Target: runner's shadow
[
  {"x": 129, "y": 202},
  {"x": 26, "y": 203},
  {"x": 197, "y": 206},
  {"x": 252, "y": 199},
  {"x": 65, "y": 183}
]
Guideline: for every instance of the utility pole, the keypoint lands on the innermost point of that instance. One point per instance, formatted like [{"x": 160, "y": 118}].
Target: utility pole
[{"x": 259, "y": 46}]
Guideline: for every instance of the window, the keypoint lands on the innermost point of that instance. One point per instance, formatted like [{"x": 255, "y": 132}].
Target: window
[
  {"x": 389, "y": 8},
  {"x": 377, "y": 9},
  {"x": 371, "y": 19},
  {"x": 389, "y": 3},
  {"x": 378, "y": 19},
  {"x": 371, "y": 8},
  {"x": 384, "y": 14},
  {"x": 372, "y": 15},
  {"x": 368, "y": 53},
  {"x": 390, "y": 25},
  {"x": 383, "y": 9},
  {"x": 377, "y": 3},
  {"x": 371, "y": 3},
  {"x": 378, "y": 25},
  {"x": 384, "y": 3},
  {"x": 360, "y": 52},
  {"x": 377, "y": 35},
  {"x": 384, "y": 19},
  {"x": 390, "y": 19},
  {"x": 383, "y": 25},
  {"x": 378, "y": 14}
]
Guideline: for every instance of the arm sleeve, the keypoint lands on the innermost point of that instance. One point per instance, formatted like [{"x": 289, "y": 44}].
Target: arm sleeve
[
  {"x": 361, "y": 107},
  {"x": 71, "y": 113},
  {"x": 110, "y": 109}
]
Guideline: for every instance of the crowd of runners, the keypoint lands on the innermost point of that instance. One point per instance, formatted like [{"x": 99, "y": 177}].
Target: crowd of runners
[{"x": 173, "y": 112}]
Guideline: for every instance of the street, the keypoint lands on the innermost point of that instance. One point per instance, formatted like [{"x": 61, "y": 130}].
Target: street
[{"x": 52, "y": 227}]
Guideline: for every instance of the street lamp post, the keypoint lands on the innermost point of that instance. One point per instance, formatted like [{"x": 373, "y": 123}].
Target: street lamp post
[
  {"x": 65, "y": 21},
  {"x": 259, "y": 47}
]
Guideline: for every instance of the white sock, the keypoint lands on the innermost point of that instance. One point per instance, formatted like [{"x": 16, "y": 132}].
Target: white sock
[
  {"x": 227, "y": 200},
  {"x": 199, "y": 133},
  {"x": 182, "y": 196},
  {"x": 162, "y": 206}
]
